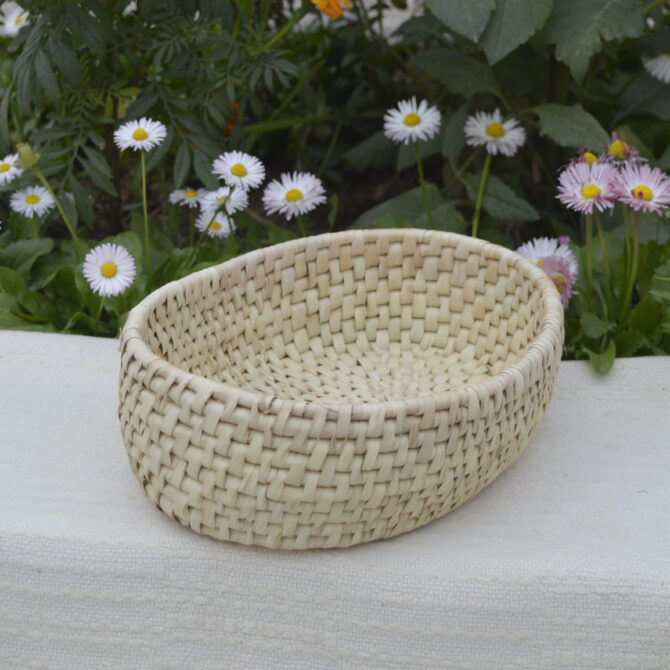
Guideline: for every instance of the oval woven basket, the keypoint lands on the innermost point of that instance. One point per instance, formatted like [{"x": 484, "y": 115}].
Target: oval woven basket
[{"x": 337, "y": 389}]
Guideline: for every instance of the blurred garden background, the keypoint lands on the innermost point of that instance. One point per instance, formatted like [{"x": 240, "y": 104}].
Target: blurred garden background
[{"x": 138, "y": 127}]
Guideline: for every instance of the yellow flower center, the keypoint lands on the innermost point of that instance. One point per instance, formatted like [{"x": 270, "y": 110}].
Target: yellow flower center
[
  {"x": 643, "y": 192},
  {"x": 559, "y": 282},
  {"x": 222, "y": 199},
  {"x": 19, "y": 19},
  {"x": 4, "y": 167},
  {"x": 190, "y": 193},
  {"x": 215, "y": 225},
  {"x": 239, "y": 170},
  {"x": 294, "y": 195},
  {"x": 618, "y": 149},
  {"x": 108, "y": 269},
  {"x": 140, "y": 134},
  {"x": 540, "y": 262},
  {"x": 591, "y": 191},
  {"x": 412, "y": 119},
  {"x": 32, "y": 199},
  {"x": 590, "y": 158},
  {"x": 495, "y": 130}
]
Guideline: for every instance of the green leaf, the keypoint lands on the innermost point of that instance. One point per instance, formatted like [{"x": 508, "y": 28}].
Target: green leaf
[
  {"x": 647, "y": 95},
  {"x": 21, "y": 255},
  {"x": 11, "y": 281},
  {"x": 453, "y": 137},
  {"x": 407, "y": 154},
  {"x": 65, "y": 60},
  {"x": 99, "y": 178},
  {"x": 46, "y": 76},
  {"x": 202, "y": 165},
  {"x": 570, "y": 126},
  {"x": 9, "y": 321},
  {"x": 592, "y": 326},
  {"x": 499, "y": 200},
  {"x": 182, "y": 164},
  {"x": 512, "y": 23},
  {"x": 647, "y": 315},
  {"x": 156, "y": 155},
  {"x": 81, "y": 199},
  {"x": 602, "y": 363},
  {"x": 460, "y": 74},
  {"x": 69, "y": 209},
  {"x": 409, "y": 207},
  {"x": 577, "y": 28},
  {"x": 467, "y": 17},
  {"x": 628, "y": 342},
  {"x": 376, "y": 151}
]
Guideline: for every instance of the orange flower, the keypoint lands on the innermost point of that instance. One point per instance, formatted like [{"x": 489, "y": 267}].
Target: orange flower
[{"x": 332, "y": 8}]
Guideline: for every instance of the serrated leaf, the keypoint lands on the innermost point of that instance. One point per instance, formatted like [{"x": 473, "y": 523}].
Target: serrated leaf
[
  {"x": 647, "y": 315},
  {"x": 630, "y": 341},
  {"x": 570, "y": 126},
  {"x": 460, "y": 74},
  {"x": 602, "y": 363},
  {"x": 98, "y": 177},
  {"x": 98, "y": 160},
  {"x": 46, "y": 76},
  {"x": 499, "y": 200},
  {"x": 463, "y": 16},
  {"x": 182, "y": 164},
  {"x": 512, "y": 24},
  {"x": 65, "y": 60},
  {"x": 577, "y": 28},
  {"x": 592, "y": 326}
]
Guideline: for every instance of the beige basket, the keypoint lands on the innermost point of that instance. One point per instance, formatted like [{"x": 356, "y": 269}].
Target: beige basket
[{"x": 337, "y": 389}]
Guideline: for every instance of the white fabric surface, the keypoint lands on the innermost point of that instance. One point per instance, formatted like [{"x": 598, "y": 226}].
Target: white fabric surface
[{"x": 562, "y": 562}]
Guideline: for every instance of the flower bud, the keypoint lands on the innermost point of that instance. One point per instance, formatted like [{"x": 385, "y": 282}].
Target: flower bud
[{"x": 27, "y": 156}]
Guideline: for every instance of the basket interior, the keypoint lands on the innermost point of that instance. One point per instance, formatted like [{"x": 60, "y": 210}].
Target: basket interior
[{"x": 352, "y": 319}]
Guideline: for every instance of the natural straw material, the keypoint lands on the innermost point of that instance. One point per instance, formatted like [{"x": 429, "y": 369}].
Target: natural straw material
[{"x": 337, "y": 389}]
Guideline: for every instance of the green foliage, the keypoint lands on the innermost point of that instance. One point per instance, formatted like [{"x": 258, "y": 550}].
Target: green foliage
[{"x": 307, "y": 93}]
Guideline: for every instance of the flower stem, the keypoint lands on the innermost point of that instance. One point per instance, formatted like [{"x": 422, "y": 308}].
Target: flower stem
[
  {"x": 301, "y": 225},
  {"x": 34, "y": 225},
  {"x": 99, "y": 312},
  {"x": 480, "y": 195},
  {"x": 424, "y": 193},
  {"x": 190, "y": 229},
  {"x": 589, "y": 259},
  {"x": 628, "y": 297},
  {"x": 44, "y": 181},
  {"x": 146, "y": 219},
  {"x": 601, "y": 235}
]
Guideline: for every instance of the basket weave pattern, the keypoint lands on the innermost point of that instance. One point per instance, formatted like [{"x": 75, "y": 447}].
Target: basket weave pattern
[{"x": 337, "y": 389}]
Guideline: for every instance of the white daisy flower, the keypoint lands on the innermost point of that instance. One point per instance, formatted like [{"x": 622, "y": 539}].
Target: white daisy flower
[
  {"x": 228, "y": 197},
  {"x": 239, "y": 169},
  {"x": 9, "y": 168},
  {"x": 217, "y": 224},
  {"x": 187, "y": 197},
  {"x": 297, "y": 193},
  {"x": 32, "y": 201},
  {"x": 541, "y": 248},
  {"x": 411, "y": 122},
  {"x": 658, "y": 67},
  {"x": 109, "y": 269},
  {"x": 130, "y": 8},
  {"x": 499, "y": 136},
  {"x": 144, "y": 134},
  {"x": 13, "y": 19}
]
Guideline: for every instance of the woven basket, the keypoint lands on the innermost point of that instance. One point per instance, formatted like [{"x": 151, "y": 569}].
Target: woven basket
[{"x": 337, "y": 389}]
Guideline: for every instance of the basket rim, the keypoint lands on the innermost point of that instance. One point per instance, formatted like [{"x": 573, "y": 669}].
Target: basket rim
[{"x": 543, "y": 345}]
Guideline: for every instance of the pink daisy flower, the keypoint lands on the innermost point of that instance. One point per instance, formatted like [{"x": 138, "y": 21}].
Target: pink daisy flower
[
  {"x": 582, "y": 187},
  {"x": 540, "y": 249},
  {"x": 558, "y": 269},
  {"x": 618, "y": 151},
  {"x": 642, "y": 187}
]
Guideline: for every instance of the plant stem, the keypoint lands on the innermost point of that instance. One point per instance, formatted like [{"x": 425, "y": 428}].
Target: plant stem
[
  {"x": 44, "y": 181},
  {"x": 301, "y": 225},
  {"x": 480, "y": 195},
  {"x": 191, "y": 233},
  {"x": 628, "y": 297},
  {"x": 419, "y": 166},
  {"x": 97, "y": 316},
  {"x": 601, "y": 235},
  {"x": 146, "y": 219},
  {"x": 589, "y": 259},
  {"x": 34, "y": 225}
]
